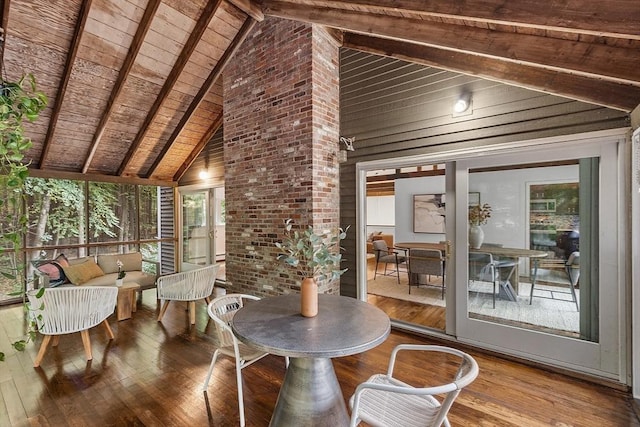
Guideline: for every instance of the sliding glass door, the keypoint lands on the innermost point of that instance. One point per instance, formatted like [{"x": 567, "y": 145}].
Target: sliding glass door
[
  {"x": 545, "y": 280},
  {"x": 546, "y": 283}
]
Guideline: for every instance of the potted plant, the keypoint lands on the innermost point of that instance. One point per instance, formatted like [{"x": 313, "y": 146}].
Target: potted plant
[
  {"x": 314, "y": 256},
  {"x": 19, "y": 100},
  {"x": 121, "y": 273},
  {"x": 478, "y": 215}
]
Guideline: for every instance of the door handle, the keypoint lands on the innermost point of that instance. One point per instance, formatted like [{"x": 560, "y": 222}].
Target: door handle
[{"x": 447, "y": 249}]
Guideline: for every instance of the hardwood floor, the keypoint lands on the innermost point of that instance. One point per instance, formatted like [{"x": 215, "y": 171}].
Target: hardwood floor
[{"x": 152, "y": 374}]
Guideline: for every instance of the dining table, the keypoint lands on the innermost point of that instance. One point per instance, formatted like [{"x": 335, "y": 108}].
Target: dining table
[
  {"x": 310, "y": 394},
  {"x": 495, "y": 250}
]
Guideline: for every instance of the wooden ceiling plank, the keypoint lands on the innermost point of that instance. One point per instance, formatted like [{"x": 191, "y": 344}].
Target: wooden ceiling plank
[
  {"x": 189, "y": 47},
  {"x": 250, "y": 8},
  {"x": 215, "y": 125},
  {"x": 610, "y": 94},
  {"x": 137, "y": 41},
  {"x": 66, "y": 75},
  {"x": 588, "y": 59},
  {"x": 598, "y": 18},
  {"x": 204, "y": 90}
]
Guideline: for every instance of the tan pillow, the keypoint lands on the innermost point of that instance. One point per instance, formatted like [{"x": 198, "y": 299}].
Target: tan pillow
[
  {"x": 130, "y": 262},
  {"x": 80, "y": 274}
]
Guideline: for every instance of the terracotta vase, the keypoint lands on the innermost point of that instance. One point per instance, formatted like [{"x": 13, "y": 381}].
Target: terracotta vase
[{"x": 309, "y": 297}]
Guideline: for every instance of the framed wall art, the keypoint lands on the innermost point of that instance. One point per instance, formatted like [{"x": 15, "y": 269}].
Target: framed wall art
[{"x": 428, "y": 213}]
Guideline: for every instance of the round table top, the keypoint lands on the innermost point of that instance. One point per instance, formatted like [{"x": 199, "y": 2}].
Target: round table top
[{"x": 343, "y": 326}]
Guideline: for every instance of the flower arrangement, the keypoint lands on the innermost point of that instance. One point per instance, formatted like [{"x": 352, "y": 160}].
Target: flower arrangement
[
  {"x": 121, "y": 272},
  {"x": 312, "y": 254},
  {"x": 479, "y": 214}
]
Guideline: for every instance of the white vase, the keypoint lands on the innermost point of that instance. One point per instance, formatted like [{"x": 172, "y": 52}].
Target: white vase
[
  {"x": 476, "y": 236},
  {"x": 119, "y": 282}
]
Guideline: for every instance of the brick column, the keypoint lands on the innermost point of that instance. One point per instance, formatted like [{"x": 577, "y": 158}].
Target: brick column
[{"x": 281, "y": 121}]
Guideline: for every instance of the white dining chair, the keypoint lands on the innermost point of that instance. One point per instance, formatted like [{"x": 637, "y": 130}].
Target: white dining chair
[
  {"x": 385, "y": 401},
  {"x": 221, "y": 311},
  {"x": 188, "y": 286},
  {"x": 61, "y": 311}
]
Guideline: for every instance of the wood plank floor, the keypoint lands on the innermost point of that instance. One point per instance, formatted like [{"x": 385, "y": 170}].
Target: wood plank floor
[{"x": 152, "y": 373}]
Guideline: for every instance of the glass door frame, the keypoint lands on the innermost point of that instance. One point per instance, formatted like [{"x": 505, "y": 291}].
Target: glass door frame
[
  {"x": 209, "y": 188},
  {"x": 616, "y": 365}
]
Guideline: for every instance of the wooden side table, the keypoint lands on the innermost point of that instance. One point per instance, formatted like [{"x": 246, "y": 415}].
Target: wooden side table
[{"x": 127, "y": 302}]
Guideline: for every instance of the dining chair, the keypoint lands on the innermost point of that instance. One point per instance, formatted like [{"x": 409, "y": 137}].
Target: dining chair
[
  {"x": 484, "y": 267},
  {"x": 385, "y": 255},
  {"x": 385, "y": 401},
  {"x": 189, "y": 286},
  {"x": 67, "y": 310},
  {"x": 425, "y": 261},
  {"x": 221, "y": 311},
  {"x": 572, "y": 269}
]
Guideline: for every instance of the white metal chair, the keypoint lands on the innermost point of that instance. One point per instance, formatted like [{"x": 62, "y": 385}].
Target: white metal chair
[
  {"x": 187, "y": 286},
  {"x": 68, "y": 310},
  {"x": 385, "y": 401},
  {"x": 221, "y": 310}
]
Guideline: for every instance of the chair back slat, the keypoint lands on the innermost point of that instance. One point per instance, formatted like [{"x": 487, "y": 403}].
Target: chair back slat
[{"x": 188, "y": 285}]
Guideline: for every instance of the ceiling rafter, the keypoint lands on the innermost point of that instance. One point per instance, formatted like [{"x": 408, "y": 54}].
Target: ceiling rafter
[
  {"x": 204, "y": 89},
  {"x": 136, "y": 43},
  {"x": 611, "y": 94},
  {"x": 188, "y": 49},
  {"x": 250, "y": 8},
  {"x": 571, "y": 17},
  {"x": 83, "y": 14},
  {"x": 522, "y": 49}
]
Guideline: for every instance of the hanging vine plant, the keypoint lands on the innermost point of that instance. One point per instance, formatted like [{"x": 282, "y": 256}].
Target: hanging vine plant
[{"x": 19, "y": 101}]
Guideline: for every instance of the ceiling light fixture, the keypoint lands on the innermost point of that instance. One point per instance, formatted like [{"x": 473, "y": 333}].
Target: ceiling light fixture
[{"x": 462, "y": 104}]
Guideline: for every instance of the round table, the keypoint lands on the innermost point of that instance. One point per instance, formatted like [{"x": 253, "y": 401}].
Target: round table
[{"x": 310, "y": 394}]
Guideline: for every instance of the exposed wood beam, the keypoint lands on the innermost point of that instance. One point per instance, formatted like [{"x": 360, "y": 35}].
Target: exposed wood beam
[
  {"x": 188, "y": 49},
  {"x": 83, "y": 14},
  {"x": 617, "y": 18},
  {"x": 610, "y": 94},
  {"x": 249, "y": 23},
  {"x": 213, "y": 128},
  {"x": 136, "y": 43},
  {"x": 77, "y": 176},
  {"x": 250, "y": 8},
  {"x": 579, "y": 58}
]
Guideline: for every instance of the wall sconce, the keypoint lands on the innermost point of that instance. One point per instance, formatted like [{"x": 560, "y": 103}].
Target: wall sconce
[
  {"x": 348, "y": 142},
  {"x": 348, "y": 146},
  {"x": 462, "y": 105}
]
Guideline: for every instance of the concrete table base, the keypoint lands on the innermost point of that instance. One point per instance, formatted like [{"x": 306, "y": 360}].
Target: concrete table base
[{"x": 310, "y": 396}]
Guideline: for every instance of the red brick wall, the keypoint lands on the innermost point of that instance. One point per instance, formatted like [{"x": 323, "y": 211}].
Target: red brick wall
[{"x": 281, "y": 100}]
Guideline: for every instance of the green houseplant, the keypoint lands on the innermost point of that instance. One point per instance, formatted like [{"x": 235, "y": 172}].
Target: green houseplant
[
  {"x": 314, "y": 255},
  {"x": 19, "y": 101}
]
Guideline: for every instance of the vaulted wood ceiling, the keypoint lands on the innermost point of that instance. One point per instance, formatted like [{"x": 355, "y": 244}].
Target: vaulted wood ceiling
[{"x": 135, "y": 86}]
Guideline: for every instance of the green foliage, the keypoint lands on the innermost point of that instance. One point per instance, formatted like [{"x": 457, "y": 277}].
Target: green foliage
[
  {"x": 312, "y": 254},
  {"x": 19, "y": 101}
]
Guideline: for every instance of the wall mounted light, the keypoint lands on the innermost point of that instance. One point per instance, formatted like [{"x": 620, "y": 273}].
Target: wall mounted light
[
  {"x": 348, "y": 143},
  {"x": 462, "y": 104}
]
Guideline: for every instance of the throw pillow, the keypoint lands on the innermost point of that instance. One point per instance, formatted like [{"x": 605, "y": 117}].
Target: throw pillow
[
  {"x": 53, "y": 269},
  {"x": 79, "y": 274}
]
